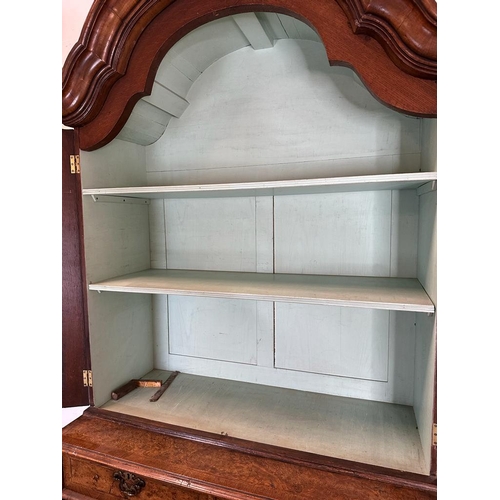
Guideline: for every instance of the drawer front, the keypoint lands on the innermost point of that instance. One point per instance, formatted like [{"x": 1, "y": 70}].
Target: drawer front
[{"x": 98, "y": 481}]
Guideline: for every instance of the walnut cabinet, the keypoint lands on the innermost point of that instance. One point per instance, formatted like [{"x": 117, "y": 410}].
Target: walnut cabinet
[{"x": 249, "y": 272}]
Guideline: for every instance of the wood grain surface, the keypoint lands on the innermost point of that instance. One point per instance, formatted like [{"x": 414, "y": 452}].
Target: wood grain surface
[
  {"x": 223, "y": 467},
  {"x": 75, "y": 344}
]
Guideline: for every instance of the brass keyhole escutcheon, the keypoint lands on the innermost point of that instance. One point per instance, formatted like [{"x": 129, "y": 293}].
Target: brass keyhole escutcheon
[{"x": 130, "y": 484}]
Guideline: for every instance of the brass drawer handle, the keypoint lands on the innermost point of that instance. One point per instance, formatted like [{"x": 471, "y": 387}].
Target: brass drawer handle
[{"x": 130, "y": 484}]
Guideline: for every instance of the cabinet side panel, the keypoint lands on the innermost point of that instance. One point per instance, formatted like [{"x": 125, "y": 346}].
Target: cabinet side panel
[
  {"x": 121, "y": 340},
  {"x": 117, "y": 242},
  {"x": 427, "y": 244},
  {"x": 424, "y": 381},
  {"x": 117, "y": 236},
  {"x": 426, "y": 326},
  {"x": 428, "y": 157},
  {"x": 117, "y": 164},
  {"x": 116, "y": 239}
]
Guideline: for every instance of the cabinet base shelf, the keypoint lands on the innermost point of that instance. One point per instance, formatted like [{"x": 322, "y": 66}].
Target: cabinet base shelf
[{"x": 380, "y": 434}]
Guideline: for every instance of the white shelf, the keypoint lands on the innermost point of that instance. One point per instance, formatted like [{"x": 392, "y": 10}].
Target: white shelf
[
  {"x": 270, "y": 188},
  {"x": 398, "y": 294}
]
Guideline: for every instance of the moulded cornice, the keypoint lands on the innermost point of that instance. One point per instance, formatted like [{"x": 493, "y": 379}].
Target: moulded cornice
[
  {"x": 407, "y": 29},
  {"x": 391, "y": 44},
  {"x": 101, "y": 55}
]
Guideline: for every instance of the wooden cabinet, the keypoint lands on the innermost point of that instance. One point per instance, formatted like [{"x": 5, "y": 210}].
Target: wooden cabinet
[{"x": 259, "y": 242}]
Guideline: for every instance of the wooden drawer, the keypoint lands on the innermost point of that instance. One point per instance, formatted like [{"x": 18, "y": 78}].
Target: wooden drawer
[{"x": 84, "y": 479}]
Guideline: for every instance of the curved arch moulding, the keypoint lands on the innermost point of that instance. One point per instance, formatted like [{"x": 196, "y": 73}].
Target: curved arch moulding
[{"x": 390, "y": 44}]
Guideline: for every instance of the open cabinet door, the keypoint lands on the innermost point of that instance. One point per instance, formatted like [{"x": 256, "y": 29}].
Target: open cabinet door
[{"x": 75, "y": 340}]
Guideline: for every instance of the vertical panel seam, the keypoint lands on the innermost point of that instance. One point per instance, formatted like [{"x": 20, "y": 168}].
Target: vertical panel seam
[
  {"x": 274, "y": 272},
  {"x": 274, "y": 334},
  {"x": 256, "y": 246},
  {"x": 391, "y": 234},
  {"x": 388, "y": 367},
  {"x": 274, "y": 236},
  {"x": 165, "y": 230},
  {"x": 167, "y": 322}
]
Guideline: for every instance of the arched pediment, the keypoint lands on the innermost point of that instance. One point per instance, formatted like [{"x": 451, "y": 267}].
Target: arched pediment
[{"x": 390, "y": 44}]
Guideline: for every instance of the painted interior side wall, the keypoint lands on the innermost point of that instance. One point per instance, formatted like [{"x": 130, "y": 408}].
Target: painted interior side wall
[
  {"x": 116, "y": 242},
  {"x": 425, "y": 347}
]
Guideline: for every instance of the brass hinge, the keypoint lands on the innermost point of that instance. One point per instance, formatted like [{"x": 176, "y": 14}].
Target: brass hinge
[
  {"x": 74, "y": 163},
  {"x": 87, "y": 378},
  {"x": 434, "y": 434}
]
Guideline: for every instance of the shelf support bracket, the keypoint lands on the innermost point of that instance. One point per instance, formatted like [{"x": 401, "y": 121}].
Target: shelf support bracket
[
  {"x": 427, "y": 188},
  {"x": 120, "y": 199}
]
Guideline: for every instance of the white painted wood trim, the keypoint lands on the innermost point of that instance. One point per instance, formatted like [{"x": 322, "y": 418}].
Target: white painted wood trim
[
  {"x": 253, "y": 30},
  {"x": 280, "y": 187},
  {"x": 398, "y": 294},
  {"x": 168, "y": 101}
]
